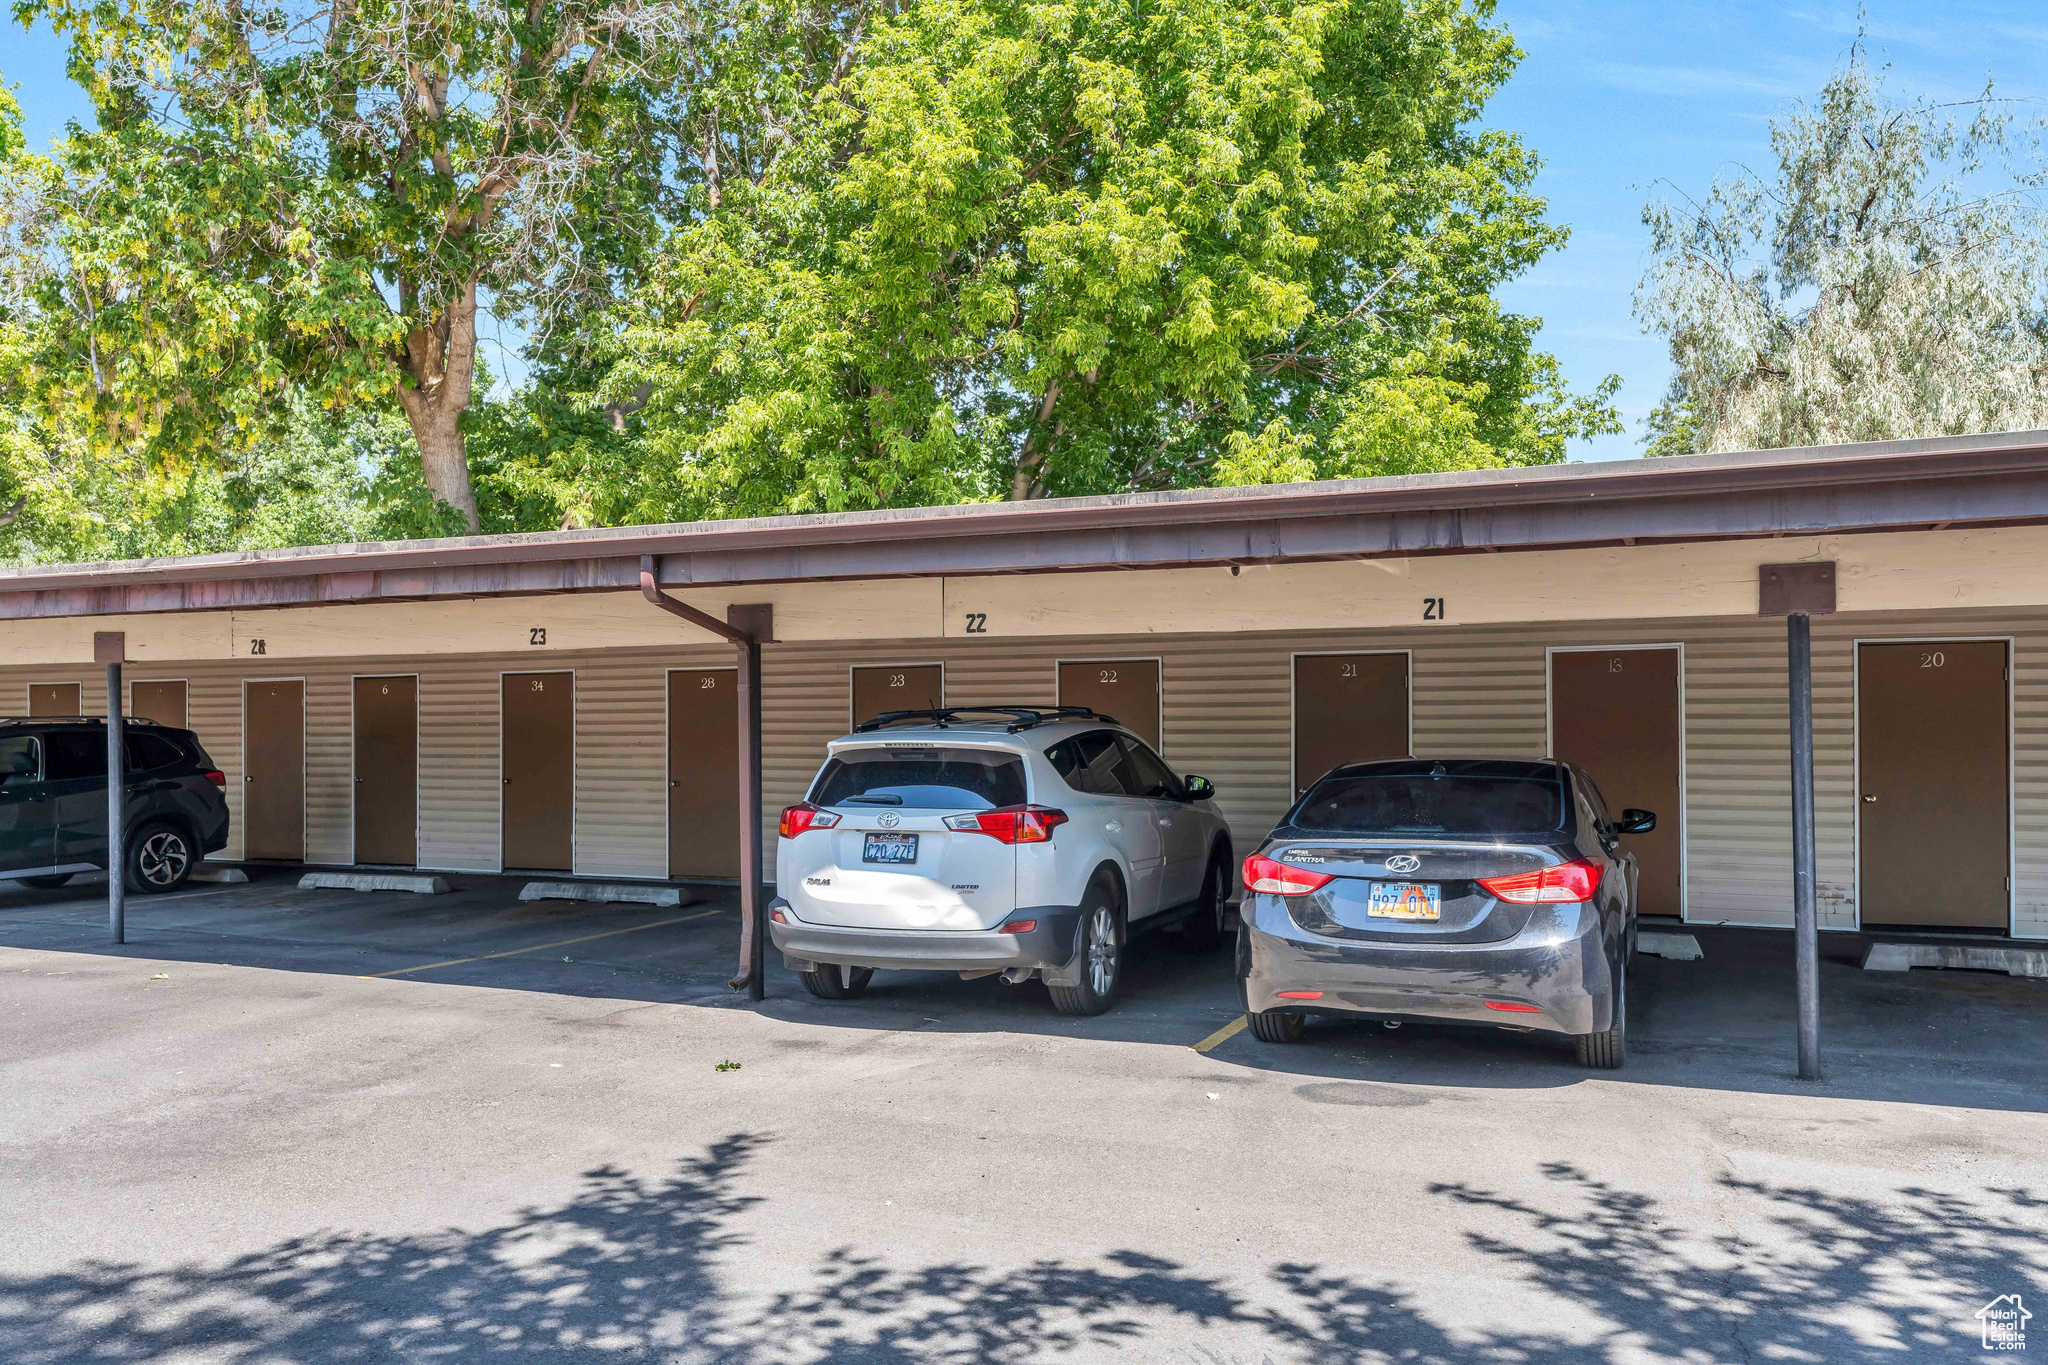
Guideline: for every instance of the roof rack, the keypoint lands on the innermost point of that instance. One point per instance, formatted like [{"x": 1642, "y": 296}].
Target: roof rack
[
  {"x": 1019, "y": 717},
  {"x": 74, "y": 720}
]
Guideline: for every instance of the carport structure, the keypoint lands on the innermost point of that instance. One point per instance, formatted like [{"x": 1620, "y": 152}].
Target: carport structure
[{"x": 529, "y": 704}]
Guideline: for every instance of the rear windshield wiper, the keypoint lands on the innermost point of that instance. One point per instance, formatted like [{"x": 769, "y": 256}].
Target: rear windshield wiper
[{"x": 873, "y": 800}]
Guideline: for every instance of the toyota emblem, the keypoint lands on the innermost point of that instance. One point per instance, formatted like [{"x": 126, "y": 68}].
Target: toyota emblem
[
  {"x": 1403, "y": 862},
  {"x": 888, "y": 819}
]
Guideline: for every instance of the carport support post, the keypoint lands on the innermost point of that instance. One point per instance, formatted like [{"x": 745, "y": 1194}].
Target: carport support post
[
  {"x": 110, "y": 647},
  {"x": 746, "y": 640},
  {"x": 1805, "y": 906},
  {"x": 754, "y": 921}
]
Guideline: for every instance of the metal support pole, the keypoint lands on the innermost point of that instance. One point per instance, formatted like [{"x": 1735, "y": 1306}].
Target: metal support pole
[
  {"x": 1805, "y": 904},
  {"x": 117, "y": 790},
  {"x": 747, "y": 647},
  {"x": 753, "y": 919}
]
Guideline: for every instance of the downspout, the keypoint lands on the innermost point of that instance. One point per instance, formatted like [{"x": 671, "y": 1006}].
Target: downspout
[{"x": 748, "y": 651}]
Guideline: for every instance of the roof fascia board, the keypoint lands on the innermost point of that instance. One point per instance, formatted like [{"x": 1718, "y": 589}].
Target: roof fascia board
[
  {"x": 2001, "y": 498},
  {"x": 1457, "y": 494}
]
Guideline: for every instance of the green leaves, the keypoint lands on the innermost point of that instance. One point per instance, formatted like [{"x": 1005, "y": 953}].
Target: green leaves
[
  {"x": 1887, "y": 279},
  {"x": 1085, "y": 247}
]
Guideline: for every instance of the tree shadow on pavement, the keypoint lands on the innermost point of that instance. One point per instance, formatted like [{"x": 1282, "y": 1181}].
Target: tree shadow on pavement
[
  {"x": 631, "y": 1269},
  {"x": 1798, "y": 1273}
]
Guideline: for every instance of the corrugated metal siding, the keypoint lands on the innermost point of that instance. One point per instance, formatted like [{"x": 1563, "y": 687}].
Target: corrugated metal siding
[{"x": 1476, "y": 690}]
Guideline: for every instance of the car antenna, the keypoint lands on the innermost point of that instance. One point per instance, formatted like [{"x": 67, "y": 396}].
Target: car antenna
[{"x": 1437, "y": 769}]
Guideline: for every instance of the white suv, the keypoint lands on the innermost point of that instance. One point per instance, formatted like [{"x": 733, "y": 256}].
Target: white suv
[{"x": 1029, "y": 841}]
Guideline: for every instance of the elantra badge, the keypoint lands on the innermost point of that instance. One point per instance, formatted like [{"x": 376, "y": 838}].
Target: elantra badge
[
  {"x": 1403, "y": 862},
  {"x": 888, "y": 819}
]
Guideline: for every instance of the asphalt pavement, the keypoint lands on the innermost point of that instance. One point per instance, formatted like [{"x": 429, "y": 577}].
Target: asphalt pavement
[{"x": 330, "y": 1126}]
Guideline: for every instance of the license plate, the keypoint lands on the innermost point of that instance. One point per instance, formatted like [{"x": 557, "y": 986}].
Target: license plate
[
  {"x": 1405, "y": 900},
  {"x": 889, "y": 848}
]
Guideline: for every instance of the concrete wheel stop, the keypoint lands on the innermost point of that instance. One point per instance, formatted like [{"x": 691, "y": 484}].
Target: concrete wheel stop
[
  {"x": 608, "y": 892},
  {"x": 1664, "y": 943},
  {"x": 373, "y": 881},
  {"x": 1903, "y": 957},
  {"x": 219, "y": 874}
]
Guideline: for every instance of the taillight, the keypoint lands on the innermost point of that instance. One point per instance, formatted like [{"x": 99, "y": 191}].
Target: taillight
[
  {"x": 1278, "y": 879},
  {"x": 1513, "y": 1007},
  {"x": 1011, "y": 824},
  {"x": 1017, "y": 926},
  {"x": 1565, "y": 884},
  {"x": 798, "y": 818},
  {"x": 216, "y": 777}
]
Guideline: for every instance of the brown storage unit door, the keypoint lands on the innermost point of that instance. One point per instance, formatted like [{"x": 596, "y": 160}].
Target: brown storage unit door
[
  {"x": 274, "y": 781},
  {"x": 1615, "y": 714},
  {"x": 162, "y": 702},
  {"x": 54, "y": 699},
  {"x": 916, "y": 687},
  {"x": 387, "y": 770},
  {"x": 703, "y": 773},
  {"x": 1348, "y": 708},
  {"x": 538, "y": 753},
  {"x": 1931, "y": 765},
  {"x": 1127, "y": 689}
]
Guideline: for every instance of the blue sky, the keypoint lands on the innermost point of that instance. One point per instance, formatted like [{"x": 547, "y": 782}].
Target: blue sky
[{"x": 1616, "y": 95}]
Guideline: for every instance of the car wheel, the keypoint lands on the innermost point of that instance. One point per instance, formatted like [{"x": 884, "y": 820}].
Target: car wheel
[
  {"x": 1278, "y": 1026},
  {"x": 835, "y": 981},
  {"x": 1606, "y": 1051},
  {"x": 160, "y": 858},
  {"x": 49, "y": 883},
  {"x": 1102, "y": 955},
  {"x": 1203, "y": 930}
]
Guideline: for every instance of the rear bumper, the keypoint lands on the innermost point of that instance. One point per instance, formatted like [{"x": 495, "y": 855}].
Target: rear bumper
[
  {"x": 1050, "y": 945},
  {"x": 1558, "y": 963}
]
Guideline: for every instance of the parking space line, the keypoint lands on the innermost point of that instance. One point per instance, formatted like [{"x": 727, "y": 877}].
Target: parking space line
[
  {"x": 1224, "y": 1034},
  {"x": 558, "y": 943}
]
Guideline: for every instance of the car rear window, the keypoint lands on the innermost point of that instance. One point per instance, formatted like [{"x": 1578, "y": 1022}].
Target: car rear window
[
  {"x": 1432, "y": 803},
  {"x": 932, "y": 778}
]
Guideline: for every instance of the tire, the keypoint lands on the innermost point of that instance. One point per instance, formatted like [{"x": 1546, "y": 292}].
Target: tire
[
  {"x": 160, "y": 858},
  {"x": 1278, "y": 1026},
  {"x": 1607, "y": 1051},
  {"x": 1203, "y": 930},
  {"x": 832, "y": 981},
  {"x": 1102, "y": 949},
  {"x": 49, "y": 883}
]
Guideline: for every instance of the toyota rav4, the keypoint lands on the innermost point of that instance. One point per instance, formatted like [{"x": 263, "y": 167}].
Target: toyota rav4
[{"x": 1026, "y": 841}]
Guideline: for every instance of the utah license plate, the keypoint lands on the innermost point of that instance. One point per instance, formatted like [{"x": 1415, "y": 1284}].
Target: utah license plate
[
  {"x": 889, "y": 848},
  {"x": 1405, "y": 900}
]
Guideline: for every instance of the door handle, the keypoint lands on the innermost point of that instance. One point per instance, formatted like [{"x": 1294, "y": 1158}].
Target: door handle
[
  {"x": 674, "y": 783},
  {"x": 1869, "y": 800},
  {"x": 1165, "y": 820},
  {"x": 508, "y": 781},
  {"x": 1113, "y": 826},
  {"x": 247, "y": 778}
]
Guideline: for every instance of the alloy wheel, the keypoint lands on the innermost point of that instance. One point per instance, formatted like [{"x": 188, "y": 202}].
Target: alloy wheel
[
  {"x": 162, "y": 859},
  {"x": 1101, "y": 950}
]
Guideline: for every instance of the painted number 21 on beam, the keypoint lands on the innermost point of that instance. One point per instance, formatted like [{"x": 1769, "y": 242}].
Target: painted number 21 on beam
[{"x": 1433, "y": 609}]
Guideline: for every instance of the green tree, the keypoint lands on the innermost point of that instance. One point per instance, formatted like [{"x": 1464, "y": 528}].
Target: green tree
[
  {"x": 1100, "y": 245},
  {"x": 320, "y": 198},
  {"x": 1887, "y": 279}
]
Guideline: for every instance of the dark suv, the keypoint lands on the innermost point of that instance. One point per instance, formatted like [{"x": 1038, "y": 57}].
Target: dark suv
[{"x": 53, "y": 801}]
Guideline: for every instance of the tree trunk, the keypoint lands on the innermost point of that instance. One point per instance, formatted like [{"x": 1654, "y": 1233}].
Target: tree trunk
[
  {"x": 440, "y": 362},
  {"x": 1027, "y": 481}
]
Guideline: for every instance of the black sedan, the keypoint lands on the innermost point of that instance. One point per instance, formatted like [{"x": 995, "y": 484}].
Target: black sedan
[{"x": 1490, "y": 891}]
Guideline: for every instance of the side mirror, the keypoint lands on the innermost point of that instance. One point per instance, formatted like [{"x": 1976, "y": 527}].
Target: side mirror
[
  {"x": 1636, "y": 822},
  {"x": 1198, "y": 788}
]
